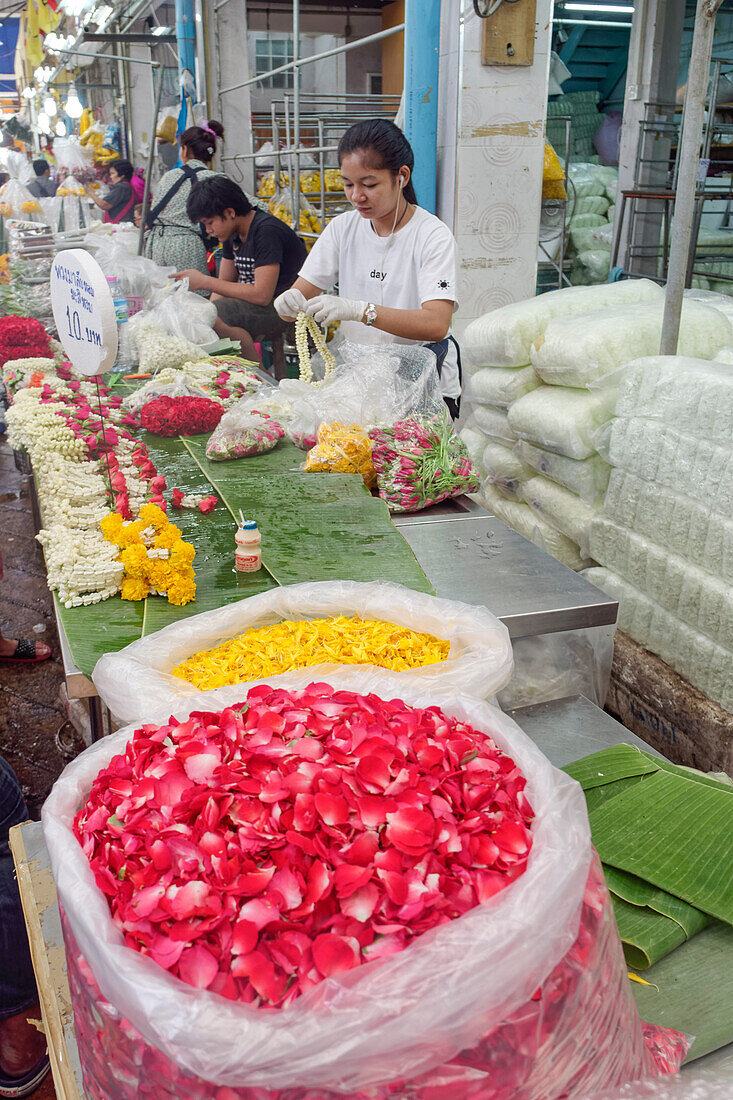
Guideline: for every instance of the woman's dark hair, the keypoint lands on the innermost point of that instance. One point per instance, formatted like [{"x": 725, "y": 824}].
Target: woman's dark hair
[
  {"x": 201, "y": 140},
  {"x": 211, "y": 197},
  {"x": 387, "y": 144},
  {"x": 123, "y": 168}
]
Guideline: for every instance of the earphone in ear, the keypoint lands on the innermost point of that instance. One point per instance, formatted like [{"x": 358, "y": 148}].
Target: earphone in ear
[{"x": 402, "y": 181}]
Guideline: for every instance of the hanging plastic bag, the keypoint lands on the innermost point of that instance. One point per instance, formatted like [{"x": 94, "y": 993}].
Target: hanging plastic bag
[
  {"x": 553, "y": 175},
  {"x": 16, "y": 201},
  {"x": 73, "y": 159},
  {"x": 156, "y": 349},
  {"x": 137, "y": 276},
  {"x": 167, "y": 125},
  {"x": 525, "y": 995},
  {"x": 240, "y": 434}
]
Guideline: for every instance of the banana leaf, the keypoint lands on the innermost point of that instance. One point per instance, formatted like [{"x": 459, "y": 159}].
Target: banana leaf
[
  {"x": 99, "y": 628},
  {"x": 692, "y": 990},
  {"x": 651, "y": 922},
  {"x": 314, "y": 526},
  {"x": 674, "y": 832}
]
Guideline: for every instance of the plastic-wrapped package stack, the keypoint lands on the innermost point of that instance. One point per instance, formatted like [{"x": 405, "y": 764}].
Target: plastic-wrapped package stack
[
  {"x": 586, "y": 118},
  {"x": 548, "y": 482},
  {"x": 664, "y": 539},
  {"x": 522, "y": 433},
  {"x": 591, "y": 208}
]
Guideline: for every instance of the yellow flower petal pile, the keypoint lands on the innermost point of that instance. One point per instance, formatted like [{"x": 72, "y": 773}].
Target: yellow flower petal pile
[{"x": 268, "y": 650}]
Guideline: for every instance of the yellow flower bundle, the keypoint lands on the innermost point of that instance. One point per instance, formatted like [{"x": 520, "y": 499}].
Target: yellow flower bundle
[
  {"x": 342, "y": 448},
  {"x": 267, "y": 650},
  {"x": 155, "y": 557}
]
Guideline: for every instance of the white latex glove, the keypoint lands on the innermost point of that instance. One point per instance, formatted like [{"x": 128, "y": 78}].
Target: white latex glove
[
  {"x": 290, "y": 303},
  {"x": 327, "y": 308}
]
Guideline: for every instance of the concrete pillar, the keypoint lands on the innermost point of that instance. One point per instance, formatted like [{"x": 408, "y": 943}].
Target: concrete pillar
[
  {"x": 229, "y": 64},
  {"x": 497, "y": 152},
  {"x": 654, "y": 52}
]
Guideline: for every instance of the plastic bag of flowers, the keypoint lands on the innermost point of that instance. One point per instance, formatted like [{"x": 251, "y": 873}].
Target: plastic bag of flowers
[
  {"x": 405, "y": 902},
  {"x": 241, "y": 433},
  {"x": 138, "y": 683}
]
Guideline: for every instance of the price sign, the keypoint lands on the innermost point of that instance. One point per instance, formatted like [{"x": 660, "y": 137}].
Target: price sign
[{"x": 84, "y": 311}]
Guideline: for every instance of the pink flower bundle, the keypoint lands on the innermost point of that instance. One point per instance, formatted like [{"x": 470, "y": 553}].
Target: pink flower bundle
[
  {"x": 421, "y": 461},
  {"x": 240, "y": 436},
  {"x": 258, "y": 851}
]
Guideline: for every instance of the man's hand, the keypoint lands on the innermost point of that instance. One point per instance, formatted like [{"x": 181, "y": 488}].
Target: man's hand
[
  {"x": 196, "y": 279},
  {"x": 327, "y": 308},
  {"x": 290, "y": 303}
]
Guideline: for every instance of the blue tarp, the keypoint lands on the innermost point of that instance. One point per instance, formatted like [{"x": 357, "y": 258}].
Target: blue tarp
[{"x": 8, "y": 40}]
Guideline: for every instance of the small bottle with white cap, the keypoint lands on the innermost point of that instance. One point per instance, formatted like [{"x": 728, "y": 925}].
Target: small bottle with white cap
[{"x": 248, "y": 555}]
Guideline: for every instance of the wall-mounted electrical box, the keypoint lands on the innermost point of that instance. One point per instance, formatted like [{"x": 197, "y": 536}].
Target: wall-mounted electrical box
[{"x": 507, "y": 36}]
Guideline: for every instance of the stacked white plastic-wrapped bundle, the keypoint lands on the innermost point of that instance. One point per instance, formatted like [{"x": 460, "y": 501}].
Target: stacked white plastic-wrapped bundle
[
  {"x": 664, "y": 539},
  {"x": 591, "y": 208},
  {"x": 586, "y": 118},
  {"x": 551, "y": 471}
]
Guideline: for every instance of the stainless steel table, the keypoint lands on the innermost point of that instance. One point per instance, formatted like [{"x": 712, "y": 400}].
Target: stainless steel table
[
  {"x": 566, "y": 729},
  {"x": 475, "y": 558}
]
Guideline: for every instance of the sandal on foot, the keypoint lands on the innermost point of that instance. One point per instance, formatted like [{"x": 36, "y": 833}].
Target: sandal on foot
[
  {"x": 26, "y": 652},
  {"x": 28, "y": 1083}
]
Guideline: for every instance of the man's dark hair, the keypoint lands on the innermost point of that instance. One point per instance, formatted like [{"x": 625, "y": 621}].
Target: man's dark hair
[
  {"x": 123, "y": 168},
  {"x": 211, "y": 197},
  {"x": 41, "y": 166}
]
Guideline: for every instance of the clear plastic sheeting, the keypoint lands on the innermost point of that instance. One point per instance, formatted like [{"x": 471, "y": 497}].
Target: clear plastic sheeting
[
  {"x": 501, "y": 385},
  {"x": 698, "y": 598},
  {"x": 683, "y": 524},
  {"x": 592, "y": 204},
  {"x": 709, "y": 1078},
  {"x": 136, "y": 682},
  {"x": 560, "y": 419},
  {"x": 692, "y": 395},
  {"x": 137, "y": 276},
  {"x": 505, "y": 469},
  {"x": 522, "y": 519},
  {"x": 577, "y": 351},
  {"x": 183, "y": 386},
  {"x": 505, "y": 336},
  {"x": 529, "y": 988},
  {"x": 706, "y": 665},
  {"x": 563, "y": 509},
  {"x": 555, "y": 666},
  {"x": 587, "y": 477},
  {"x": 654, "y": 451},
  {"x": 184, "y": 314},
  {"x": 372, "y": 386}
]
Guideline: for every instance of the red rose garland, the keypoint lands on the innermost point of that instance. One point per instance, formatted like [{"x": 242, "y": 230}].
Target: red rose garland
[
  {"x": 169, "y": 416},
  {"x": 23, "y": 338}
]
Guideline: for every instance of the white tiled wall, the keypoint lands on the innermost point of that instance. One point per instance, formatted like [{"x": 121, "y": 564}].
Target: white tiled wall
[{"x": 497, "y": 144}]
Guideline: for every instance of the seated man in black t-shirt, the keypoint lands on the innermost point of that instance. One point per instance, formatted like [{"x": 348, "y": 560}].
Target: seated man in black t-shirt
[{"x": 261, "y": 257}]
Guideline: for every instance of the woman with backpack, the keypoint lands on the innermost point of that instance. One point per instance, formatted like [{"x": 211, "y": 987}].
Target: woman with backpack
[{"x": 173, "y": 241}]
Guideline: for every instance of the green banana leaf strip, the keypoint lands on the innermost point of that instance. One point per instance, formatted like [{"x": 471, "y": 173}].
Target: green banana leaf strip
[
  {"x": 692, "y": 990},
  {"x": 651, "y": 922},
  {"x": 211, "y": 535},
  {"x": 611, "y": 764},
  {"x": 99, "y": 628},
  {"x": 314, "y": 526},
  {"x": 646, "y": 936},
  {"x": 676, "y": 833}
]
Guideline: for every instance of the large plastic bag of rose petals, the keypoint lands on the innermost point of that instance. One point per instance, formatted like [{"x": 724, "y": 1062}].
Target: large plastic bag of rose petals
[
  {"x": 136, "y": 682},
  {"x": 525, "y": 996}
]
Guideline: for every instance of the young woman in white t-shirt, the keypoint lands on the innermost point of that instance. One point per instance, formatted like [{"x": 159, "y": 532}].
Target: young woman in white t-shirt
[{"x": 395, "y": 263}]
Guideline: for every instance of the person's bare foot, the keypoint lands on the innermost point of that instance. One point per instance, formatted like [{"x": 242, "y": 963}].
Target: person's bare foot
[
  {"x": 15, "y": 649},
  {"x": 21, "y": 1044}
]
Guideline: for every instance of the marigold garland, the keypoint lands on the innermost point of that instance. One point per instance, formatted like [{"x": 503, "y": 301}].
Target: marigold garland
[{"x": 156, "y": 559}]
